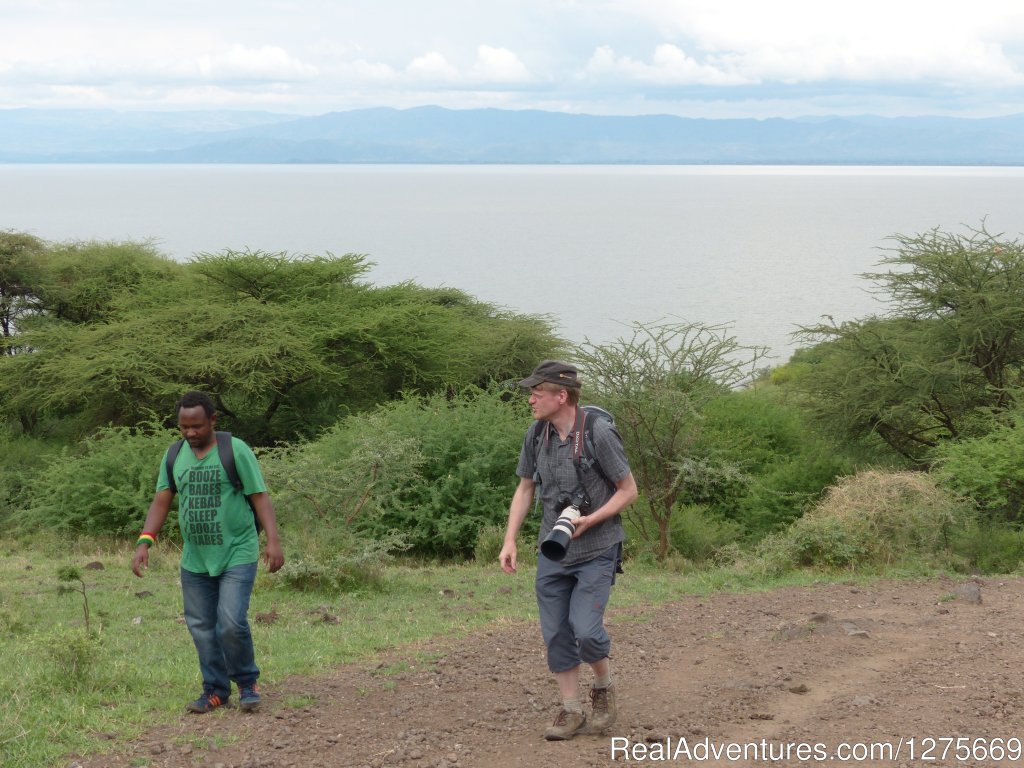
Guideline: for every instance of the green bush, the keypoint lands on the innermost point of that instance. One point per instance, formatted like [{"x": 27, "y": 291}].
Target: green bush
[
  {"x": 786, "y": 489},
  {"x": 74, "y": 656},
  {"x": 826, "y": 542},
  {"x": 489, "y": 541},
  {"x": 348, "y": 565},
  {"x": 438, "y": 469},
  {"x": 701, "y": 536},
  {"x": 21, "y": 457},
  {"x": 102, "y": 486},
  {"x": 988, "y": 469},
  {"x": 356, "y": 468},
  {"x": 991, "y": 546},
  {"x": 787, "y": 463}
]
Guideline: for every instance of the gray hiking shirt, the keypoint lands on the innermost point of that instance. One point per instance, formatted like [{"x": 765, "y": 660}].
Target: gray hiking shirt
[{"x": 558, "y": 479}]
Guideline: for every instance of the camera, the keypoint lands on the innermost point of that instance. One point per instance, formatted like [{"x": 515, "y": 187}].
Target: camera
[{"x": 571, "y": 509}]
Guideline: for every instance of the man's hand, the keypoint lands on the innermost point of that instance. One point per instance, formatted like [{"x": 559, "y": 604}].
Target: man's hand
[
  {"x": 507, "y": 558},
  {"x": 273, "y": 556},
  {"x": 582, "y": 524},
  {"x": 158, "y": 509},
  {"x": 141, "y": 559}
]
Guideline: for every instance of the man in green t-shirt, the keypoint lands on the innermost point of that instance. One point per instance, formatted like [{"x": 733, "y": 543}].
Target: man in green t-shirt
[{"x": 218, "y": 562}]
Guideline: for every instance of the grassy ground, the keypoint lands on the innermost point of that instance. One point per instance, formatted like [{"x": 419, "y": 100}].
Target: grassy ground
[{"x": 68, "y": 691}]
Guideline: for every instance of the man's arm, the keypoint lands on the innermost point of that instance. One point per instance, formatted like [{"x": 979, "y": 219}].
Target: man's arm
[
  {"x": 159, "y": 508},
  {"x": 517, "y": 512},
  {"x": 625, "y": 494},
  {"x": 273, "y": 555}
]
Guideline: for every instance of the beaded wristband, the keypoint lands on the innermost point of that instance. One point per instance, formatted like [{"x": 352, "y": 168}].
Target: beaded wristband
[{"x": 146, "y": 538}]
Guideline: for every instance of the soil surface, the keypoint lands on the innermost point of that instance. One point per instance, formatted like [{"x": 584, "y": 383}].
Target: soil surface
[{"x": 931, "y": 667}]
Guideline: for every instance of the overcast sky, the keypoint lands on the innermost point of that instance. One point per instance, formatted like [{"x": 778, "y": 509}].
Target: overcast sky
[{"x": 697, "y": 58}]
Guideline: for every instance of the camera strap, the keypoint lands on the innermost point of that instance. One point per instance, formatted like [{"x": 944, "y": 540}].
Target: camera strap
[
  {"x": 577, "y": 443},
  {"x": 578, "y": 452}
]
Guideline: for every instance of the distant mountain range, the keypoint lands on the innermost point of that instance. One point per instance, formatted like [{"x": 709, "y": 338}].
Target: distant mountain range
[{"x": 436, "y": 135}]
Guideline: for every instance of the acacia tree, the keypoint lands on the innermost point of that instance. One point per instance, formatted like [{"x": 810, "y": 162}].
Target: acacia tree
[
  {"x": 19, "y": 264},
  {"x": 657, "y": 383},
  {"x": 949, "y": 353},
  {"x": 285, "y": 345},
  {"x": 278, "y": 277}
]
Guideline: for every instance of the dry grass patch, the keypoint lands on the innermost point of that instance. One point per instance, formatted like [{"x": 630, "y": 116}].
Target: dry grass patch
[{"x": 873, "y": 518}]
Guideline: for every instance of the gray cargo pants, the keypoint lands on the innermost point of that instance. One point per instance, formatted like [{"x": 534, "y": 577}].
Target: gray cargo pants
[{"x": 572, "y": 600}]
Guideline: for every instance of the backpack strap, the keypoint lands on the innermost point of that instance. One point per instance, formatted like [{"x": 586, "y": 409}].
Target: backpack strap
[
  {"x": 538, "y": 431},
  {"x": 226, "y": 453},
  {"x": 172, "y": 454},
  {"x": 584, "y": 454},
  {"x": 227, "y": 460}
]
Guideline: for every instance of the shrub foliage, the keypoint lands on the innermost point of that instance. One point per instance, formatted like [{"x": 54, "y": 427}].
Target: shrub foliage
[
  {"x": 948, "y": 355},
  {"x": 436, "y": 469},
  {"x": 873, "y": 519},
  {"x": 388, "y": 425},
  {"x": 103, "y": 486}
]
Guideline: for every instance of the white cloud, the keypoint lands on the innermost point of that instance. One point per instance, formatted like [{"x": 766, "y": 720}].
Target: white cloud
[
  {"x": 606, "y": 56},
  {"x": 149, "y": 58},
  {"x": 499, "y": 65},
  {"x": 432, "y": 66},
  {"x": 798, "y": 41},
  {"x": 492, "y": 66},
  {"x": 269, "y": 63},
  {"x": 669, "y": 65}
]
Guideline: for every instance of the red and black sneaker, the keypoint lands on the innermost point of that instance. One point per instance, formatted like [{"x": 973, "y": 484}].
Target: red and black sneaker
[{"x": 206, "y": 703}]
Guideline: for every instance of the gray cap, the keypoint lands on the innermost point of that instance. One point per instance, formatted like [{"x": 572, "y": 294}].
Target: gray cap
[{"x": 553, "y": 372}]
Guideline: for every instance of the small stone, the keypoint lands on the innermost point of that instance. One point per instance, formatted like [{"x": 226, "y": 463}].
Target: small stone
[{"x": 969, "y": 592}]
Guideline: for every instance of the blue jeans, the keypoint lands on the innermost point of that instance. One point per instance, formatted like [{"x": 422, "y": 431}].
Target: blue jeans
[{"x": 216, "y": 613}]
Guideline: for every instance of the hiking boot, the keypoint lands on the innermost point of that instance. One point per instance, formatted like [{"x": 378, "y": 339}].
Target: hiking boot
[
  {"x": 566, "y": 725},
  {"x": 206, "y": 703},
  {"x": 248, "y": 698},
  {"x": 604, "y": 712}
]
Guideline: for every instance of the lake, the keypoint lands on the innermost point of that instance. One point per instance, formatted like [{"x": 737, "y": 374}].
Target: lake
[{"x": 763, "y": 249}]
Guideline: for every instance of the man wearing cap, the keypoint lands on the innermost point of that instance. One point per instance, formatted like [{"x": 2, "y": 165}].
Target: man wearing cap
[{"x": 572, "y": 593}]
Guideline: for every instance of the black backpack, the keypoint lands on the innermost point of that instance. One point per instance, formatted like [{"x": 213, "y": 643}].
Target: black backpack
[
  {"x": 227, "y": 460},
  {"x": 584, "y": 455}
]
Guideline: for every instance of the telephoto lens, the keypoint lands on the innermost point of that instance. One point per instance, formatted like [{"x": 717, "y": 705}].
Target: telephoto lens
[{"x": 556, "y": 543}]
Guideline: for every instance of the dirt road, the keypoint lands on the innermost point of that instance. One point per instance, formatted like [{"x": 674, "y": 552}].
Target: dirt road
[{"x": 935, "y": 668}]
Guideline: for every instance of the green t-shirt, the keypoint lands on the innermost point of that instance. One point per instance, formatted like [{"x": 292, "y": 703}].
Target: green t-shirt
[{"x": 216, "y": 521}]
